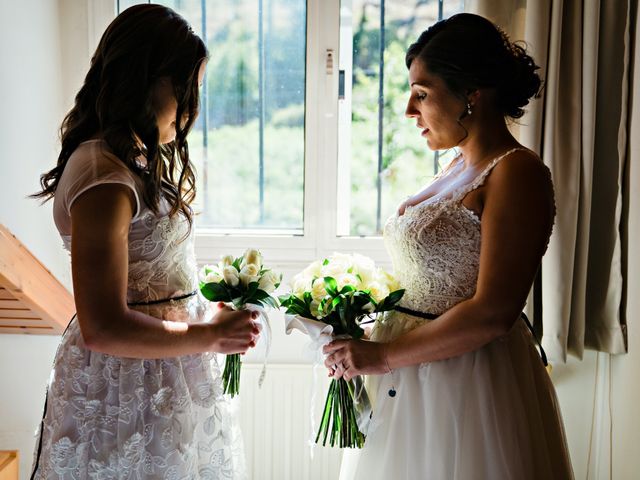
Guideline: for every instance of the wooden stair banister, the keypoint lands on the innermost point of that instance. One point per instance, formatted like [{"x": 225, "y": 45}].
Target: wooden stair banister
[{"x": 32, "y": 300}]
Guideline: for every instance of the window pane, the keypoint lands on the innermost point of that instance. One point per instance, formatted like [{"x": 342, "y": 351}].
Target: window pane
[
  {"x": 248, "y": 143},
  {"x": 381, "y": 154}
]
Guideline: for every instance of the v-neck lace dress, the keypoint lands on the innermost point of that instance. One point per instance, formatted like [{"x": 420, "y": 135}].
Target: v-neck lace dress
[{"x": 489, "y": 414}]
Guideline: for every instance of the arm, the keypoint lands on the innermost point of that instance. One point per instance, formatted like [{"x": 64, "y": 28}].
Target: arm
[
  {"x": 516, "y": 222},
  {"x": 100, "y": 221}
]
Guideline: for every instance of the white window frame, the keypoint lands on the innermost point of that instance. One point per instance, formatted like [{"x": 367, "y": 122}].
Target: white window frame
[{"x": 320, "y": 237}]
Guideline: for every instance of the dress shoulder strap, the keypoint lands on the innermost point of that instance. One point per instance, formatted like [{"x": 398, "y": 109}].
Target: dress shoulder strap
[{"x": 480, "y": 179}]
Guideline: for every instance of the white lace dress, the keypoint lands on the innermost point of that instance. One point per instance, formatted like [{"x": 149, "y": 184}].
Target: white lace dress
[
  {"x": 108, "y": 417},
  {"x": 489, "y": 414}
]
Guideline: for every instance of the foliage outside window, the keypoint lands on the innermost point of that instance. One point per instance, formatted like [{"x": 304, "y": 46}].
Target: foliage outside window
[
  {"x": 248, "y": 145},
  {"x": 381, "y": 154}
]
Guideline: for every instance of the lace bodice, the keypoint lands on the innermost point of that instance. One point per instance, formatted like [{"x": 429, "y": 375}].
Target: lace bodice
[
  {"x": 161, "y": 258},
  {"x": 161, "y": 254},
  {"x": 435, "y": 249}
]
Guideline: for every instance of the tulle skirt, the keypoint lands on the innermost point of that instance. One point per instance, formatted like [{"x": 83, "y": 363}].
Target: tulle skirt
[
  {"x": 108, "y": 417},
  {"x": 490, "y": 414}
]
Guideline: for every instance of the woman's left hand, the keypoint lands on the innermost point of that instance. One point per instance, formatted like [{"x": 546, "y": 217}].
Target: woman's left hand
[{"x": 356, "y": 357}]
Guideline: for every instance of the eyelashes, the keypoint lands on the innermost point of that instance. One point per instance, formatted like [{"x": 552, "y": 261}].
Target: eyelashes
[{"x": 421, "y": 96}]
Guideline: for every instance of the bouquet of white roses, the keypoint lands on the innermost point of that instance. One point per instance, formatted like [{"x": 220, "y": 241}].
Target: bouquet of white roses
[
  {"x": 335, "y": 296},
  {"x": 239, "y": 282}
]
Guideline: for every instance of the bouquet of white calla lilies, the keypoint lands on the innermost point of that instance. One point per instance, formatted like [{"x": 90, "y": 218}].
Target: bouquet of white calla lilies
[{"x": 239, "y": 282}]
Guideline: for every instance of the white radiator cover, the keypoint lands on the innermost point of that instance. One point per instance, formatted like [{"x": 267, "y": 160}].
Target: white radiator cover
[{"x": 275, "y": 422}]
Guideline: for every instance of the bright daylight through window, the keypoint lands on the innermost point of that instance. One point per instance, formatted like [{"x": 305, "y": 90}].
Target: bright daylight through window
[{"x": 248, "y": 145}]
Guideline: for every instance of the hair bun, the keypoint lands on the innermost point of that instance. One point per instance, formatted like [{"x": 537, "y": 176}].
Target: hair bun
[{"x": 520, "y": 80}]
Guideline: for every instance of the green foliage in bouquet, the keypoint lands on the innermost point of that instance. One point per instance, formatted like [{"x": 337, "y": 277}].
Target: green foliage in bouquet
[
  {"x": 342, "y": 291},
  {"x": 341, "y": 307},
  {"x": 240, "y": 282},
  {"x": 237, "y": 293}
]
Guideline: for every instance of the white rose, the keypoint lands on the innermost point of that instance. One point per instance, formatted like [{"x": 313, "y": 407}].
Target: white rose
[
  {"x": 338, "y": 263},
  {"x": 318, "y": 291},
  {"x": 341, "y": 258},
  {"x": 301, "y": 283},
  {"x": 365, "y": 267},
  {"x": 226, "y": 261},
  {"x": 378, "y": 291},
  {"x": 230, "y": 275},
  {"x": 268, "y": 281},
  {"x": 313, "y": 270},
  {"x": 251, "y": 257},
  {"x": 333, "y": 269},
  {"x": 347, "y": 279},
  {"x": 213, "y": 277},
  {"x": 249, "y": 273}
]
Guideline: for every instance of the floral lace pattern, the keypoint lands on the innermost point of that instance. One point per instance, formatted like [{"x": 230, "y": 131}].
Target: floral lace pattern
[
  {"x": 109, "y": 417},
  {"x": 435, "y": 249},
  {"x": 162, "y": 263}
]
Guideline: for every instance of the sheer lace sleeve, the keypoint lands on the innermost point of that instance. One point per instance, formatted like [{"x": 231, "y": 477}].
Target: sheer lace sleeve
[{"x": 91, "y": 164}]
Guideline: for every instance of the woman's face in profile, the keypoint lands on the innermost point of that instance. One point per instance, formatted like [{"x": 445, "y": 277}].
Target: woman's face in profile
[
  {"x": 166, "y": 106},
  {"x": 435, "y": 109}
]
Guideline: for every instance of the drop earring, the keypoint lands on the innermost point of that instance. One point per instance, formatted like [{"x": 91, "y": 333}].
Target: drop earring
[{"x": 468, "y": 108}]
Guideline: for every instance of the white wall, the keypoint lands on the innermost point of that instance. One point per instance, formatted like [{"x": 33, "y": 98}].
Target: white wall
[
  {"x": 31, "y": 89},
  {"x": 44, "y": 50}
]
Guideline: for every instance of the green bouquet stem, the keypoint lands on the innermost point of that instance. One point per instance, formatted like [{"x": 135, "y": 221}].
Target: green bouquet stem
[
  {"x": 339, "y": 419},
  {"x": 231, "y": 374}
]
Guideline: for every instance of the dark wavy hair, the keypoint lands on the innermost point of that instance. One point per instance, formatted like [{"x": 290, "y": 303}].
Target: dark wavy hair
[
  {"x": 469, "y": 52},
  {"x": 143, "y": 45}
]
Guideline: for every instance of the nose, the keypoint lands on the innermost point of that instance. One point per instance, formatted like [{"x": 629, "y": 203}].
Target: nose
[{"x": 411, "y": 111}]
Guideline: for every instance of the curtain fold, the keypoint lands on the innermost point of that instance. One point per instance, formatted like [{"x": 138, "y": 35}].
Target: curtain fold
[{"x": 579, "y": 128}]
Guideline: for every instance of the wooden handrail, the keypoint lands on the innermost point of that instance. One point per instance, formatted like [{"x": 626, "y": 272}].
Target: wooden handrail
[{"x": 32, "y": 300}]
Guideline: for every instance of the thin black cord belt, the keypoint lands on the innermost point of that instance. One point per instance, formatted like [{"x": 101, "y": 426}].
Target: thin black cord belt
[
  {"x": 431, "y": 316},
  {"x": 163, "y": 300}
]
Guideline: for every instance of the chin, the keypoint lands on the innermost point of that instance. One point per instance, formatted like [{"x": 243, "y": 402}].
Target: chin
[
  {"x": 436, "y": 145},
  {"x": 167, "y": 139},
  {"x": 433, "y": 146}
]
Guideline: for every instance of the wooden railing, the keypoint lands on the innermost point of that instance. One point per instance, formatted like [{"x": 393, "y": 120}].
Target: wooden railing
[
  {"x": 32, "y": 300},
  {"x": 9, "y": 465}
]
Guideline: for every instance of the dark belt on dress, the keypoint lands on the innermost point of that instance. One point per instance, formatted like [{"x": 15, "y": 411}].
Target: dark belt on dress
[
  {"x": 431, "y": 316},
  {"x": 163, "y": 300},
  {"x": 415, "y": 313}
]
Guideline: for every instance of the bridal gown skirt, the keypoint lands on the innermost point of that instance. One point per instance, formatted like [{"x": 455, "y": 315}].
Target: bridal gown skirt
[
  {"x": 111, "y": 418},
  {"x": 490, "y": 414}
]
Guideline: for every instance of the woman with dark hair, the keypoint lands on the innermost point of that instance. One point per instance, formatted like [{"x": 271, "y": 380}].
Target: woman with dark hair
[
  {"x": 135, "y": 390},
  {"x": 459, "y": 390}
]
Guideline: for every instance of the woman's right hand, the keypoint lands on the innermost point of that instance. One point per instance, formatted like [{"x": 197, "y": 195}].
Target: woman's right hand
[
  {"x": 235, "y": 331},
  {"x": 403, "y": 206}
]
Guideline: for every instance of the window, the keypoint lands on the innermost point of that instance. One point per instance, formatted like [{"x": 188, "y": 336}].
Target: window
[
  {"x": 248, "y": 142},
  {"x": 302, "y": 146},
  {"x": 381, "y": 157}
]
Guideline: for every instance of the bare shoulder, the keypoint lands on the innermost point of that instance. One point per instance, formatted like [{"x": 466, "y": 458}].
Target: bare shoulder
[
  {"x": 522, "y": 169},
  {"x": 520, "y": 186}
]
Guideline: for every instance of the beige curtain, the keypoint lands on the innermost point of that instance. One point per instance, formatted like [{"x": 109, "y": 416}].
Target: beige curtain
[{"x": 579, "y": 127}]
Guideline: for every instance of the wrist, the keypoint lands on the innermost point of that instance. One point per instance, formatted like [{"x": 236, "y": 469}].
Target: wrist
[
  {"x": 211, "y": 338},
  {"x": 385, "y": 358}
]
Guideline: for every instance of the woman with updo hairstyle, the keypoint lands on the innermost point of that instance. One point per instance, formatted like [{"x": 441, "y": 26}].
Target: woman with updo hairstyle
[
  {"x": 459, "y": 390},
  {"x": 136, "y": 391}
]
